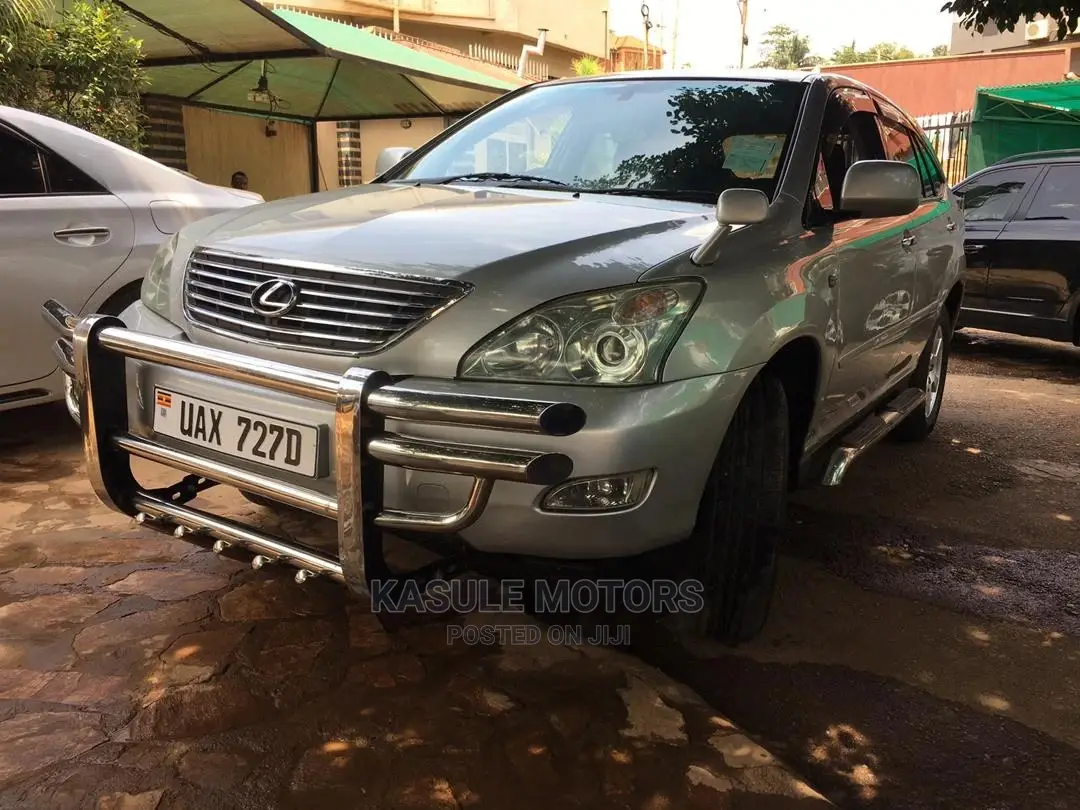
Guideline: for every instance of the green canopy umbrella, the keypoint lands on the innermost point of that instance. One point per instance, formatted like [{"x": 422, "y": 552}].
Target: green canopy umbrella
[
  {"x": 350, "y": 74},
  {"x": 241, "y": 57},
  {"x": 214, "y": 53}
]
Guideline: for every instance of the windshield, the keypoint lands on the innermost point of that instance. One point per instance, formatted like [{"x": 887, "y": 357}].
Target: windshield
[{"x": 684, "y": 135}]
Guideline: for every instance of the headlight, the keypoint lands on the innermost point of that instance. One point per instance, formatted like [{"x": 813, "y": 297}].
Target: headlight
[
  {"x": 155, "y": 286},
  {"x": 613, "y": 337}
]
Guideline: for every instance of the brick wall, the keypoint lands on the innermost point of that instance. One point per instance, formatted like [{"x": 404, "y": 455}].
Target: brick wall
[
  {"x": 348, "y": 136},
  {"x": 164, "y": 132}
]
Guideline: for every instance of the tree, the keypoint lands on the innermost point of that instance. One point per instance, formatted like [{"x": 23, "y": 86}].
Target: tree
[
  {"x": 882, "y": 52},
  {"x": 940, "y": 50},
  {"x": 784, "y": 48},
  {"x": 82, "y": 68},
  {"x": 20, "y": 12},
  {"x": 20, "y": 44},
  {"x": 1005, "y": 14},
  {"x": 587, "y": 66}
]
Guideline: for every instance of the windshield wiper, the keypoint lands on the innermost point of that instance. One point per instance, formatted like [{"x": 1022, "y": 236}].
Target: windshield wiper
[
  {"x": 680, "y": 194},
  {"x": 503, "y": 176}
]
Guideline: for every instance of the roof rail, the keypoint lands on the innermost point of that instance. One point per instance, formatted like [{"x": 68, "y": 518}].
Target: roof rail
[{"x": 1048, "y": 153}]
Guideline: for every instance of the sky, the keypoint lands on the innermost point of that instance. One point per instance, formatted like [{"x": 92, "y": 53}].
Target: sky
[{"x": 708, "y": 30}]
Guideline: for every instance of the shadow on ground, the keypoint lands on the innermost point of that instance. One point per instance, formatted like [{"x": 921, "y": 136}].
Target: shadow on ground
[{"x": 138, "y": 672}]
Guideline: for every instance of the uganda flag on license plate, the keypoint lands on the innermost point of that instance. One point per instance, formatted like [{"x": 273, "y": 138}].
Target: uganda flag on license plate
[{"x": 164, "y": 400}]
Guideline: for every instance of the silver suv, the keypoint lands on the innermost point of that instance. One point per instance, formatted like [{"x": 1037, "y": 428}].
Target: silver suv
[{"x": 597, "y": 318}]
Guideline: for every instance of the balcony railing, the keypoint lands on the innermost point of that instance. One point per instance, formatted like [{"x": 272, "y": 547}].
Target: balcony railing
[
  {"x": 534, "y": 68},
  {"x": 478, "y": 55},
  {"x": 536, "y": 71}
]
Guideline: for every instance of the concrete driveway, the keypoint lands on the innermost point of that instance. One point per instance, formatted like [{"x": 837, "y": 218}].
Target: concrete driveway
[
  {"x": 138, "y": 672},
  {"x": 924, "y": 651}
]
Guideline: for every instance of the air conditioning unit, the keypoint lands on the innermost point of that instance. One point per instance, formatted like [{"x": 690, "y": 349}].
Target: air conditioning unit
[{"x": 1037, "y": 30}]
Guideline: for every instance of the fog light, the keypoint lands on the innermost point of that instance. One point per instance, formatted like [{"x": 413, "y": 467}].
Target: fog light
[{"x": 609, "y": 493}]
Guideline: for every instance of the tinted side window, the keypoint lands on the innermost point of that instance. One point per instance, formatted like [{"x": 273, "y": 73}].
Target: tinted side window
[
  {"x": 903, "y": 146},
  {"x": 898, "y": 145},
  {"x": 935, "y": 174},
  {"x": 1059, "y": 195},
  {"x": 848, "y": 135},
  {"x": 995, "y": 195},
  {"x": 66, "y": 179},
  {"x": 20, "y": 167}
]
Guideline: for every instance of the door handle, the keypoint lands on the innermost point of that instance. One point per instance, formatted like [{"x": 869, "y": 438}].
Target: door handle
[
  {"x": 973, "y": 248},
  {"x": 83, "y": 237},
  {"x": 908, "y": 241}
]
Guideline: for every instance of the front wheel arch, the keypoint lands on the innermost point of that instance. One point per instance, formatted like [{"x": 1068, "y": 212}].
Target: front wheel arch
[
  {"x": 121, "y": 299},
  {"x": 798, "y": 367}
]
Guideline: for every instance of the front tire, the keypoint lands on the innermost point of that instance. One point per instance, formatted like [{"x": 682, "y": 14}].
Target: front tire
[
  {"x": 741, "y": 518},
  {"x": 929, "y": 376}
]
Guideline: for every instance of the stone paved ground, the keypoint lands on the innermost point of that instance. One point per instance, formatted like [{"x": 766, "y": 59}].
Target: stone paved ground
[{"x": 138, "y": 672}]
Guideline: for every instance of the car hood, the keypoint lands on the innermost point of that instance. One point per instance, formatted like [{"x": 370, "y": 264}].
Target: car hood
[{"x": 470, "y": 233}]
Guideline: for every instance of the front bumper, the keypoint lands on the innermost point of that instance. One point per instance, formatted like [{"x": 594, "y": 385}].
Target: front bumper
[
  {"x": 672, "y": 429},
  {"x": 95, "y": 351}
]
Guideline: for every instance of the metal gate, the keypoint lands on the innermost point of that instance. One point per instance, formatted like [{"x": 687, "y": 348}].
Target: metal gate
[{"x": 949, "y": 134}]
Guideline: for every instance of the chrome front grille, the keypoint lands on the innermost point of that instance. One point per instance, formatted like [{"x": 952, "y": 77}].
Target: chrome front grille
[{"x": 341, "y": 310}]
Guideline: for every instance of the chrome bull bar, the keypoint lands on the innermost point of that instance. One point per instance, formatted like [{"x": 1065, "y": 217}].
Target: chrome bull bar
[{"x": 93, "y": 351}]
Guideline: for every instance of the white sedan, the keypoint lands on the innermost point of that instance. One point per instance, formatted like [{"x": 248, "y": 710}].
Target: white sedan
[{"x": 80, "y": 220}]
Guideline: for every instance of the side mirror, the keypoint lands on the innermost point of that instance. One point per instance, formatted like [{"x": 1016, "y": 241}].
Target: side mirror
[
  {"x": 881, "y": 188},
  {"x": 736, "y": 206},
  {"x": 742, "y": 206},
  {"x": 391, "y": 156}
]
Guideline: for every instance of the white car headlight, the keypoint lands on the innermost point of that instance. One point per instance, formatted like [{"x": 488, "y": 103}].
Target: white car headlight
[
  {"x": 619, "y": 336},
  {"x": 155, "y": 286}
]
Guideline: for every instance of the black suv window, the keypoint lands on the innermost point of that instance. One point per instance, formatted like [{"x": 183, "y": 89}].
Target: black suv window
[
  {"x": 20, "y": 167},
  {"x": 995, "y": 195},
  {"x": 1059, "y": 195}
]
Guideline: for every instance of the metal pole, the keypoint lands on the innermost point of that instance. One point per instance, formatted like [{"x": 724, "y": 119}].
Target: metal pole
[
  {"x": 313, "y": 155},
  {"x": 648, "y": 24},
  {"x": 607, "y": 50},
  {"x": 744, "y": 9},
  {"x": 675, "y": 36}
]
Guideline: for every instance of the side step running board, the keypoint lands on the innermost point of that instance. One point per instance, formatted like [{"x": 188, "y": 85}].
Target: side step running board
[{"x": 869, "y": 432}]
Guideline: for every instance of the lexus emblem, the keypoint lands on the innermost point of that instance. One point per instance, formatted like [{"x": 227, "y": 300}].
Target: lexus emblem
[{"x": 275, "y": 298}]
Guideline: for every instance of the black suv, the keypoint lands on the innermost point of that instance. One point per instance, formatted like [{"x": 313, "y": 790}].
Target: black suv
[{"x": 1022, "y": 243}]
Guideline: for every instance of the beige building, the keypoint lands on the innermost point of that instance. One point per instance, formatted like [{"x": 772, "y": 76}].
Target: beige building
[{"x": 1028, "y": 33}]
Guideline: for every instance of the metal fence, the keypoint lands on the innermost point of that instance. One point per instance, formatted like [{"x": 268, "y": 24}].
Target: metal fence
[{"x": 949, "y": 134}]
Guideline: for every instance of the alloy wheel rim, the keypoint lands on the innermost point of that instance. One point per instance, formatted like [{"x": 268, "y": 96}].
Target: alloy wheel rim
[{"x": 933, "y": 371}]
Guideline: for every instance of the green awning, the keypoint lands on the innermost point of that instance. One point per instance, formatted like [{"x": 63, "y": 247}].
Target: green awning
[
  {"x": 1009, "y": 121},
  {"x": 1050, "y": 96},
  {"x": 213, "y": 53}
]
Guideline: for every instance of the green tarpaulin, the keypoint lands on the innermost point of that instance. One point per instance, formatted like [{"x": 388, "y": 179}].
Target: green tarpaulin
[
  {"x": 213, "y": 52},
  {"x": 1010, "y": 121}
]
